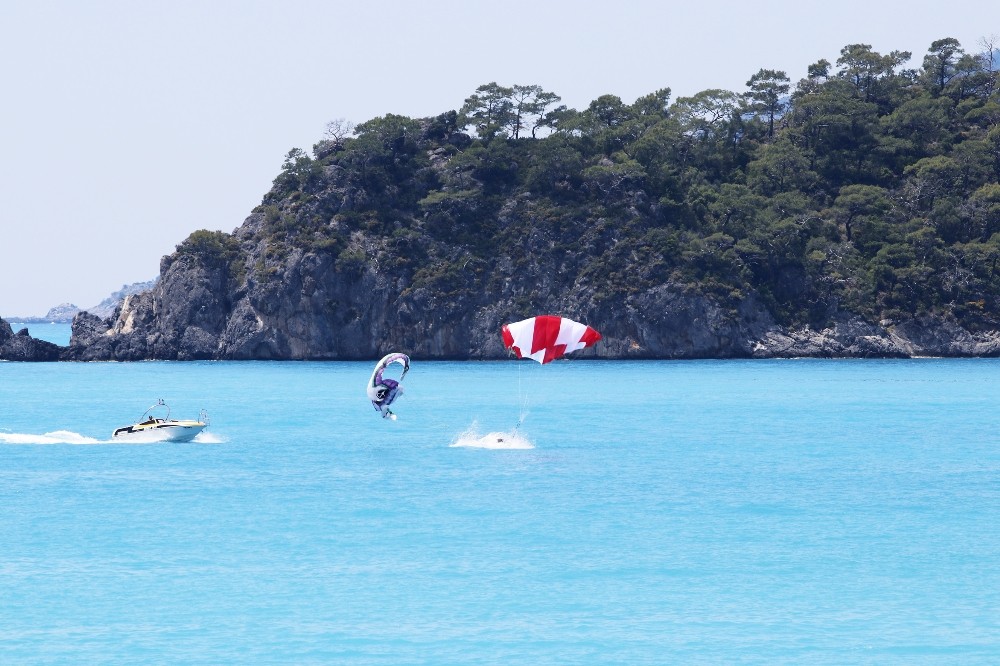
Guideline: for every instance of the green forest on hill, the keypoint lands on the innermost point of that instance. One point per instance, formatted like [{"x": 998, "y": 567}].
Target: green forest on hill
[{"x": 866, "y": 187}]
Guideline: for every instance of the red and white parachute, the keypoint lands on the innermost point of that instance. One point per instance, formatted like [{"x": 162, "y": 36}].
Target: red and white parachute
[{"x": 547, "y": 337}]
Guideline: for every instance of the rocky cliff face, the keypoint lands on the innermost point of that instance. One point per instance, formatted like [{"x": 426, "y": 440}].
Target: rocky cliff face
[
  {"x": 107, "y": 307},
  {"x": 308, "y": 308}
]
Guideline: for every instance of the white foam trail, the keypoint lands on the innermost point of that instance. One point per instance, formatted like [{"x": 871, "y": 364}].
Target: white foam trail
[
  {"x": 492, "y": 440},
  {"x": 55, "y": 437}
]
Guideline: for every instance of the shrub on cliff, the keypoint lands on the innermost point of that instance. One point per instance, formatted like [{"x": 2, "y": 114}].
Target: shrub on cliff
[{"x": 214, "y": 249}]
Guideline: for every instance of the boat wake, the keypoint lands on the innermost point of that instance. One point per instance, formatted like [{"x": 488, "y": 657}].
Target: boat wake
[
  {"x": 492, "y": 440},
  {"x": 70, "y": 437},
  {"x": 55, "y": 437}
]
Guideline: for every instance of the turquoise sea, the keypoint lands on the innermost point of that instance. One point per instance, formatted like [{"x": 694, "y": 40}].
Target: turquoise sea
[
  {"x": 56, "y": 333},
  {"x": 699, "y": 512}
]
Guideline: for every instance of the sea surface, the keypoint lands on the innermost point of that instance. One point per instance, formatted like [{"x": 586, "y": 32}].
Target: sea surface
[
  {"x": 50, "y": 332},
  {"x": 582, "y": 512}
]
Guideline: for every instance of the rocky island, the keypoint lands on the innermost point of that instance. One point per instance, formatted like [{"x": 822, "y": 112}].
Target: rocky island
[
  {"x": 22, "y": 347},
  {"x": 855, "y": 213}
]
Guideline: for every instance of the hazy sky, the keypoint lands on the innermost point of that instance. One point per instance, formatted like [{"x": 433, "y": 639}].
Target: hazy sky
[{"x": 126, "y": 125}]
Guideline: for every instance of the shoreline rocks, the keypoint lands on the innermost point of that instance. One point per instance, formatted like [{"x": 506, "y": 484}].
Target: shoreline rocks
[
  {"x": 22, "y": 347},
  {"x": 668, "y": 324},
  {"x": 689, "y": 330}
]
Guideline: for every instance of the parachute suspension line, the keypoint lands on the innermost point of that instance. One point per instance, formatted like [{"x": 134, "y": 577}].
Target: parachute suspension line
[
  {"x": 544, "y": 338},
  {"x": 522, "y": 398}
]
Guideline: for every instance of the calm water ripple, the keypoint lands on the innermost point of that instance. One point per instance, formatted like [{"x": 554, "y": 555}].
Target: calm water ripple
[{"x": 665, "y": 512}]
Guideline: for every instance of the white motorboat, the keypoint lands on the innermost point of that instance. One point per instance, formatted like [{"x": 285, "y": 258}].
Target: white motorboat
[{"x": 153, "y": 428}]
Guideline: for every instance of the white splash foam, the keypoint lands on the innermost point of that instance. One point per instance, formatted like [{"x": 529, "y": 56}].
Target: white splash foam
[
  {"x": 206, "y": 437},
  {"x": 492, "y": 440}
]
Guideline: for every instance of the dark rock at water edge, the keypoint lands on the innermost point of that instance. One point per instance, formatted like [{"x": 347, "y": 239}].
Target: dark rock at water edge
[{"x": 22, "y": 347}]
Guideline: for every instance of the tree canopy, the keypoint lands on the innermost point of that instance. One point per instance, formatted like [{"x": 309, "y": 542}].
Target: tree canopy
[{"x": 864, "y": 186}]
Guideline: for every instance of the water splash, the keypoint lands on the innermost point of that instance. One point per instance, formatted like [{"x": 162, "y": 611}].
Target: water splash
[
  {"x": 492, "y": 440},
  {"x": 206, "y": 437}
]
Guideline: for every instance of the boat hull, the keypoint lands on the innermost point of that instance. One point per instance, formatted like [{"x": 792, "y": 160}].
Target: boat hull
[{"x": 164, "y": 431}]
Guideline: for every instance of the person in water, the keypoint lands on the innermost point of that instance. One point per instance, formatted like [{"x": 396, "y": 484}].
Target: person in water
[{"x": 385, "y": 393}]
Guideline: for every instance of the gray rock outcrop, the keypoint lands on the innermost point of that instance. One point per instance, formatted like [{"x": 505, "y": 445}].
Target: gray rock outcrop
[
  {"x": 22, "y": 347},
  {"x": 311, "y": 309}
]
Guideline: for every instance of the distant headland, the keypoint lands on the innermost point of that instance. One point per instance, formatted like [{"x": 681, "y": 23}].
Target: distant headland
[{"x": 64, "y": 312}]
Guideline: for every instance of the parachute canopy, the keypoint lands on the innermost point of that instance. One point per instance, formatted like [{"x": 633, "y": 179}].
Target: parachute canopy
[
  {"x": 394, "y": 357},
  {"x": 547, "y": 337},
  {"x": 382, "y": 391}
]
